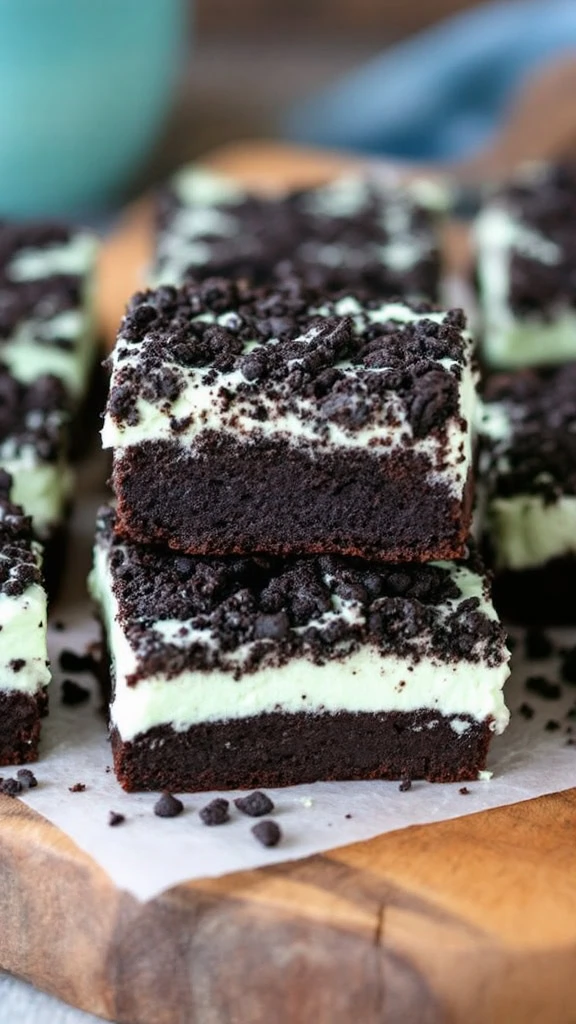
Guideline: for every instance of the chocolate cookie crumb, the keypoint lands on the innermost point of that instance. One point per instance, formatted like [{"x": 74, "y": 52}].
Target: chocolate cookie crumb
[
  {"x": 59, "y": 626},
  {"x": 526, "y": 710},
  {"x": 256, "y": 804},
  {"x": 115, "y": 819},
  {"x": 552, "y": 725},
  {"x": 216, "y": 812},
  {"x": 347, "y": 815},
  {"x": 543, "y": 687},
  {"x": 70, "y": 661},
  {"x": 78, "y": 787},
  {"x": 570, "y": 742},
  {"x": 568, "y": 669},
  {"x": 73, "y": 694},
  {"x": 537, "y": 644},
  {"x": 464, "y": 791},
  {"x": 10, "y": 787},
  {"x": 267, "y": 832},
  {"x": 405, "y": 785},
  {"x": 27, "y": 778},
  {"x": 168, "y": 806}
]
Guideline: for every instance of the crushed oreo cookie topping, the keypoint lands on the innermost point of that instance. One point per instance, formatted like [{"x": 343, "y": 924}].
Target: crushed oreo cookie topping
[
  {"x": 275, "y": 609},
  {"x": 168, "y": 806},
  {"x": 544, "y": 204},
  {"x": 27, "y": 778},
  {"x": 255, "y": 804},
  {"x": 19, "y": 564},
  {"x": 351, "y": 363},
  {"x": 342, "y": 235},
  {"x": 537, "y": 453},
  {"x": 216, "y": 812},
  {"x": 267, "y": 832},
  {"x": 115, "y": 819}
]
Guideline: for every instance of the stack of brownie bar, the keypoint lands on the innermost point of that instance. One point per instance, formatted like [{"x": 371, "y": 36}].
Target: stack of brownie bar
[
  {"x": 48, "y": 353},
  {"x": 526, "y": 252},
  {"x": 286, "y": 581}
]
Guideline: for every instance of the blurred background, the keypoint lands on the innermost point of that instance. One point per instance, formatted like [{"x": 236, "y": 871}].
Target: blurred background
[
  {"x": 254, "y": 58},
  {"x": 98, "y": 100}
]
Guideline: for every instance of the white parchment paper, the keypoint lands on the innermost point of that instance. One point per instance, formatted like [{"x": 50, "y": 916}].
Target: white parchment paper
[{"x": 147, "y": 854}]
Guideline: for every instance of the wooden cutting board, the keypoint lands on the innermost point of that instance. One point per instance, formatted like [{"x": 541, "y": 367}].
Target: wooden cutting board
[{"x": 470, "y": 921}]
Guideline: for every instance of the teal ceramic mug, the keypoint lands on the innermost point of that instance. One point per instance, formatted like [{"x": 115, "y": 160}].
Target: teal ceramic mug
[{"x": 84, "y": 88}]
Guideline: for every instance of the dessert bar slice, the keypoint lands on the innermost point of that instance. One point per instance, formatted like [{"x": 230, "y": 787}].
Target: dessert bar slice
[
  {"x": 24, "y": 670},
  {"x": 380, "y": 235},
  {"x": 47, "y": 323},
  {"x": 280, "y": 420},
  {"x": 249, "y": 672},
  {"x": 526, "y": 251},
  {"x": 528, "y": 483},
  {"x": 33, "y": 449}
]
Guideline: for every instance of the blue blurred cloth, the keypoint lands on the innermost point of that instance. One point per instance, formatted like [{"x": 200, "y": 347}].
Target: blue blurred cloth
[{"x": 441, "y": 94}]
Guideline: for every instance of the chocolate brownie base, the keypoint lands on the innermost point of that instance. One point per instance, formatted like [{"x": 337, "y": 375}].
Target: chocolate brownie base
[
  {"x": 288, "y": 749},
  {"x": 273, "y": 497},
  {"x": 543, "y": 596},
  {"x": 20, "y": 716}
]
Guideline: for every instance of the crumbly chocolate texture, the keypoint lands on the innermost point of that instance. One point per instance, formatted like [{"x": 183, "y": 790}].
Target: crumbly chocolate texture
[
  {"x": 18, "y": 562},
  {"x": 273, "y": 237},
  {"x": 280, "y": 749},
  {"x": 299, "y": 354},
  {"x": 546, "y": 205},
  {"x": 168, "y": 806},
  {"x": 33, "y": 415},
  {"x": 268, "y": 833},
  {"x": 20, "y": 718},
  {"x": 273, "y": 605},
  {"x": 255, "y": 804},
  {"x": 540, "y": 455},
  {"x": 39, "y": 299}
]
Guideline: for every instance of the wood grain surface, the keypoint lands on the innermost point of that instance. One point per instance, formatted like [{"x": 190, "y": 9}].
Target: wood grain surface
[{"x": 470, "y": 921}]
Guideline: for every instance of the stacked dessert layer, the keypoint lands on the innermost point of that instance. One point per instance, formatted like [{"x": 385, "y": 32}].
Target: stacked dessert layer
[
  {"x": 377, "y": 235},
  {"x": 526, "y": 245},
  {"x": 279, "y": 420},
  {"x": 24, "y": 666},
  {"x": 47, "y": 356},
  {"x": 240, "y": 672},
  {"x": 286, "y": 584}
]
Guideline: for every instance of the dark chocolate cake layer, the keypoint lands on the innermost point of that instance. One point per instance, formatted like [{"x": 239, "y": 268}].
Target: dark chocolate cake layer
[
  {"x": 286, "y": 750},
  {"x": 275, "y": 498}
]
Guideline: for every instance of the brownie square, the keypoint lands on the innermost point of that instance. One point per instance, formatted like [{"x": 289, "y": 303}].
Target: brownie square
[
  {"x": 375, "y": 234},
  {"x": 47, "y": 321},
  {"x": 253, "y": 672},
  {"x": 526, "y": 253},
  {"x": 283, "y": 420}
]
